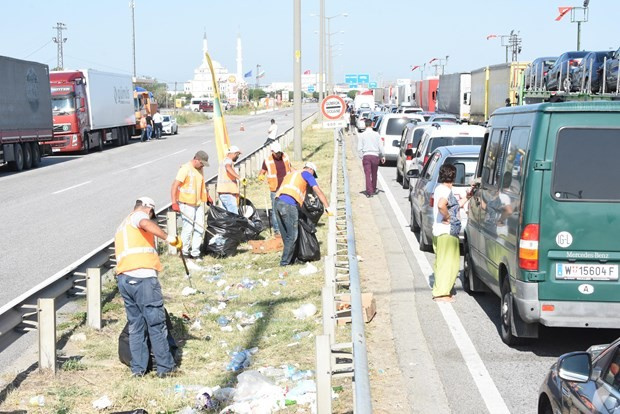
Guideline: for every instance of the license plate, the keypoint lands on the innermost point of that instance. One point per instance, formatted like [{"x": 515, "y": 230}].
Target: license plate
[{"x": 585, "y": 271}]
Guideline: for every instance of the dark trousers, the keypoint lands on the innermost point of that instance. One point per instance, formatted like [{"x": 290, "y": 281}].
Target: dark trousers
[
  {"x": 158, "y": 129},
  {"x": 371, "y": 165},
  {"x": 288, "y": 222}
]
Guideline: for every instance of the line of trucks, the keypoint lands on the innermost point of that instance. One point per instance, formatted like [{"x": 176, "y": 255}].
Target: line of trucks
[
  {"x": 473, "y": 96},
  {"x": 43, "y": 112}
]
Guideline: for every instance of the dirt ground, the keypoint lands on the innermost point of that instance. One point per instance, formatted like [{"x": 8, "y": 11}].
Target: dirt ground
[{"x": 385, "y": 375}]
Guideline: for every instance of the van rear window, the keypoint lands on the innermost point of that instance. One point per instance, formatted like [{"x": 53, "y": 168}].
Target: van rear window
[
  {"x": 395, "y": 126},
  {"x": 447, "y": 141},
  {"x": 586, "y": 164}
]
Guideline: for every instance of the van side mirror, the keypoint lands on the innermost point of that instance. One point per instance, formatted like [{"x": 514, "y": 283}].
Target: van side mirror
[
  {"x": 415, "y": 173},
  {"x": 396, "y": 143}
]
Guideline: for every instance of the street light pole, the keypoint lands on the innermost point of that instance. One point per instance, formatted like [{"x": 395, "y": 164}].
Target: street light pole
[
  {"x": 321, "y": 56},
  {"x": 133, "y": 35},
  {"x": 297, "y": 141}
]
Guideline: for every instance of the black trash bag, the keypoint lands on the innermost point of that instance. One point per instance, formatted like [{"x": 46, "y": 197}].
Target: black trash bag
[
  {"x": 249, "y": 211},
  {"x": 138, "y": 411},
  {"x": 226, "y": 230},
  {"x": 124, "y": 352},
  {"x": 307, "y": 248},
  {"x": 312, "y": 207}
]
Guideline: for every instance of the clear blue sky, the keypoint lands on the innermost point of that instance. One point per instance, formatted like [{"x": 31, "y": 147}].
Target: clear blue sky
[{"x": 381, "y": 38}]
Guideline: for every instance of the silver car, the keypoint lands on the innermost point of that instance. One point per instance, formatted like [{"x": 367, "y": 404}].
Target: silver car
[{"x": 169, "y": 125}]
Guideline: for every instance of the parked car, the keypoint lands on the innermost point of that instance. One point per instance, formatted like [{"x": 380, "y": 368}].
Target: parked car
[
  {"x": 588, "y": 74},
  {"x": 427, "y": 115},
  {"x": 562, "y": 69},
  {"x": 205, "y": 106},
  {"x": 611, "y": 72},
  {"x": 169, "y": 125},
  {"x": 543, "y": 231},
  {"x": 583, "y": 382},
  {"x": 537, "y": 70},
  {"x": 465, "y": 159},
  {"x": 391, "y": 128},
  {"x": 444, "y": 118},
  {"x": 408, "y": 110},
  {"x": 441, "y": 135},
  {"x": 410, "y": 138}
]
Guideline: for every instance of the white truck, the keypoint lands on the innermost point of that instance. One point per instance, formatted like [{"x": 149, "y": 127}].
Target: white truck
[
  {"x": 454, "y": 95},
  {"x": 364, "y": 99}
]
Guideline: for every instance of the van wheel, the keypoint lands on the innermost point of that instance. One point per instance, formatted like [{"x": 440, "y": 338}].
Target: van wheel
[
  {"x": 405, "y": 182},
  {"x": 469, "y": 274},
  {"x": 414, "y": 226},
  {"x": 399, "y": 178},
  {"x": 27, "y": 155},
  {"x": 506, "y": 314},
  {"x": 36, "y": 154}
]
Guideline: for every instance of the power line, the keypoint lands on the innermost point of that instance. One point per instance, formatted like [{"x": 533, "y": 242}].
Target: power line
[{"x": 32, "y": 53}]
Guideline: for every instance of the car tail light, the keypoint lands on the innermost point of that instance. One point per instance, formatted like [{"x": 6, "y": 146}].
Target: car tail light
[
  {"x": 545, "y": 73},
  {"x": 528, "y": 247},
  {"x": 383, "y": 140},
  {"x": 573, "y": 62},
  {"x": 409, "y": 157},
  {"x": 425, "y": 159},
  {"x": 431, "y": 202}
]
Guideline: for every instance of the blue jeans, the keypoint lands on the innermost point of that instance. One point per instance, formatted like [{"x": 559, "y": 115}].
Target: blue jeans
[
  {"x": 288, "y": 222},
  {"x": 149, "y": 132},
  {"x": 274, "y": 219},
  {"x": 229, "y": 202},
  {"x": 144, "y": 305}
]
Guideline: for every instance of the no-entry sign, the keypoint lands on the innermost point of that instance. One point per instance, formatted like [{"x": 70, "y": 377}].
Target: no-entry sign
[{"x": 333, "y": 107}]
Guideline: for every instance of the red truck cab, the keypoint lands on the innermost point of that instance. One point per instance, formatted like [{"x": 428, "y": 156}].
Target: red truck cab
[{"x": 69, "y": 111}]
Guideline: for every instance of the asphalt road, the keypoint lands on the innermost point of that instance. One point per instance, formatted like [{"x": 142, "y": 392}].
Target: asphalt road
[
  {"x": 475, "y": 368},
  {"x": 57, "y": 213}
]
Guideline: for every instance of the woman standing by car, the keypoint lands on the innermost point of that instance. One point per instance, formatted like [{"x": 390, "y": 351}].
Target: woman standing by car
[{"x": 446, "y": 229}]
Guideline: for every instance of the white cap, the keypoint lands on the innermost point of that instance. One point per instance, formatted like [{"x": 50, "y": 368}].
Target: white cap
[
  {"x": 311, "y": 165},
  {"x": 147, "y": 202},
  {"x": 233, "y": 149},
  {"x": 276, "y": 147}
]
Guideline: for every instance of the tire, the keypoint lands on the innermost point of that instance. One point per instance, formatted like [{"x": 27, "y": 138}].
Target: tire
[
  {"x": 100, "y": 145},
  {"x": 545, "y": 407},
  {"x": 469, "y": 274},
  {"x": 36, "y": 154},
  {"x": 399, "y": 178},
  {"x": 86, "y": 145},
  {"x": 413, "y": 224},
  {"x": 425, "y": 246},
  {"x": 176, "y": 131},
  {"x": 405, "y": 182},
  {"x": 27, "y": 155},
  {"x": 18, "y": 152},
  {"x": 505, "y": 312}
]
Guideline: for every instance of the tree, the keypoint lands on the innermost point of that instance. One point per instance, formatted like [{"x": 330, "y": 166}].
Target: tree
[
  {"x": 315, "y": 95},
  {"x": 257, "y": 94},
  {"x": 351, "y": 94}
]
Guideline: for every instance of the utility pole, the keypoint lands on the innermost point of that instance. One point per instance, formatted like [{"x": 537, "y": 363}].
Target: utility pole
[
  {"x": 132, "y": 5},
  {"x": 256, "y": 85},
  {"x": 515, "y": 45},
  {"x": 579, "y": 15},
  {"x": 297, "y": 80},
  {"x": 321, "y": 56},
  {"x": 59, "y": 40}
]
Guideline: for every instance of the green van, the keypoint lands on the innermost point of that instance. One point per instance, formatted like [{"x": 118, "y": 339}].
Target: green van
[{"x": 543, "y": 231}]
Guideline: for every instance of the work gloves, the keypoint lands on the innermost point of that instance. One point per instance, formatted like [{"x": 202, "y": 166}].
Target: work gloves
[
  {"x": 330, "y": 212},
  {"x": 175, "y": 207},
  {"x": 175, "y": 241},
  {"x": 261, "y": 177},
  {"x": 244, "y": 182}
]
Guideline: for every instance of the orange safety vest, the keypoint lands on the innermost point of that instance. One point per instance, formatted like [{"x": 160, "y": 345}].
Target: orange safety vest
[
  {"x": 272, "y": 172},
  {"x": 225, "y": 182},
  {"x": 192, "y": 191},
  {"x": 135, "y": 248},
  {"x": 295, "y": 186}
]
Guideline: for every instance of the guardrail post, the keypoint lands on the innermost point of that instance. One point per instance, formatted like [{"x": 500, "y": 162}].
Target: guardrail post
[
  {"x": 242, "y": 169},
  {"x": 171, "y": 229},
  {"x": 46, "y": 308},
  {"x": 323, "y": 375},
  {"x": 329, "y": 313},
  {"x": 93, "y": 297}
]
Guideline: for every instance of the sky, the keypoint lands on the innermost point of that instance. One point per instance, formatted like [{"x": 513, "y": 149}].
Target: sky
[{"x": 381, "y": 38}]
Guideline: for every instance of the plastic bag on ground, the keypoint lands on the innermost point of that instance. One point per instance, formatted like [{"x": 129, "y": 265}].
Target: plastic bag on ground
[
  {"x": 256, "y": 394},
  {"x": 225, "y": 231},
  {"x": 308, "y": 248},
  {"x": 305, "y": 311}
]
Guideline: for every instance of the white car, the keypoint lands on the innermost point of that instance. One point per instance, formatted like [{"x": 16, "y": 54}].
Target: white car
[
  {"x": 390, "y": 130},
  {"x": 169, "y": 125}
]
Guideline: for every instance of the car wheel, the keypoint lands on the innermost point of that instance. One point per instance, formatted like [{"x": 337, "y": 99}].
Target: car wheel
[
  {"x": 545, "y": 406},
  {"x": 425, "y": 245},
  {"x": 468, "y": 272},
  {"x": 176, "y": 130},
  {"x": 506, "y": 309},
  {"x": 405, "y": 182},
  {"x": 413, "y": 224},
  {"x": 399, "y": 178}
]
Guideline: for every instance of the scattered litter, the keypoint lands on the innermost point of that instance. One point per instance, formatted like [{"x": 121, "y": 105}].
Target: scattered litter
[
  {"x": 78, "y": 337},
  {"x": 241, "y": 359},
  {"x": 381, "y": 371},
  {"x": 37, "y": 401},
  {"x": 187, "y": 410},
  {"x": 220, "y": 283},
  {"x": 282, "y": 275},
  {"x": 262, "y": 272},
  {"x": 193, "y": 266},
  {"x": 223, "y": 394},
  {"x": 179, "y": 389},
  {"x": 303, "y": 387},
  {"x": 223, "y": 321},
  {"x": 298, "y": 336},
  {"x": 196, "y": 326},
  {"x": 276, "y": 293},
  {"x": 256, "y": 394},
  {"x": 282, "y": 282},
  {"x": 187, "y": 291},
  {"x": 292, "y": 344},
  {"x": 218, "y": 240},
  {"x": 102, "y": 403},
  {"x": 304, "y": 311},
  {"x": 221, "y": 305},
  {"x": 359, "y": 258},
  {"x": 309, "y": 269},
  {"x": 205, "y": 399},
  {"x": 240, "y": 328},
  {"x": 226, "y": 328}
]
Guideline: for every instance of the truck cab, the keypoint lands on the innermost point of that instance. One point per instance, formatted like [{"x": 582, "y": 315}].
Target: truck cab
[{"x": 68, "y": 111}]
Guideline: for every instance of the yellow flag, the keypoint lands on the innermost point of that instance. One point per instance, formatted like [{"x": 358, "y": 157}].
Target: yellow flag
[{"x": 221, "y": 133}]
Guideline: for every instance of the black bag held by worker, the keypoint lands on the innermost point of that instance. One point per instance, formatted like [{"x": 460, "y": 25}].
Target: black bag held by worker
[
  {"x": 308, "y": 248},
  {"x": 312, "y": 207},
  {"x": 124, "y": 352},
  {"x": 226, "y": 230}
]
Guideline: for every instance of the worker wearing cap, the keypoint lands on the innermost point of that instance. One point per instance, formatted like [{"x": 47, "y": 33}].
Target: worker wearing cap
[
  {"x": 137, "y": 266},
  {"x": 188, "y": 194},
  {"x": 289, "y": 198},
  {"x": 275, "y": 168},
  {"x": 228, "y": 181}
]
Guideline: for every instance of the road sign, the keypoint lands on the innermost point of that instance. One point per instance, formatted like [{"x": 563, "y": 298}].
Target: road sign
[
  {"x": 310, "y": 88},
  {"x": 333, "y": 107},
  {"x": 350, "y": 78},
  {"x": 363, "y": 78},
  {"x": 339, "y": 123},
  {"x": 353, "y": 86},
  {"x": 372, "y": 84}
]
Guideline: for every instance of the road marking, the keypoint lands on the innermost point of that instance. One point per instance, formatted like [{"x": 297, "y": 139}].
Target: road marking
[
  {"x": 148, "y": 162},
  {"x": 488, "y": 391},
  {"x": 72, "y": 187},
  {"x": 206, "y": 142}
]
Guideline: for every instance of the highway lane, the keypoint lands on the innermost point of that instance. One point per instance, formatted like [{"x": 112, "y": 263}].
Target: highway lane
[
  {"x": 57, "y": 213},
  {"x": 516, "y": 373}
]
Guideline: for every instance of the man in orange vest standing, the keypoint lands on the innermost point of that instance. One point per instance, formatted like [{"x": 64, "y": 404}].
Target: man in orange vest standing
[
  {"x": 137, "y": 266},
  {"x": 275, "y": 169},
  {"x": 188, "y": 195},
  {"x": 289, "y": 199},
  {"x": 228, "y": 181}
]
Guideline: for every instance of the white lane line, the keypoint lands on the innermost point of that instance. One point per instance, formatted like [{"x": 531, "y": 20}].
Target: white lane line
[
  {"x": 488, "y": 391},
  {"x": 148, "y": 162},
  {"x": 206, "y": 142},
  {"x": 72, "y": 187}
]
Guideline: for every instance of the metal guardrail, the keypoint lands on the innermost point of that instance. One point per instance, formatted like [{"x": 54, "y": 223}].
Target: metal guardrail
[
  {"x": 341, "y": 269},
  {"x": 83, "y": 277}
]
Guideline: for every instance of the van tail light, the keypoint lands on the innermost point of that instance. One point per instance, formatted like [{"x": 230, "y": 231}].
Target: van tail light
[
  {"x": 431, "y": 202},
  {"x": 409, "y": 157},
  {"x": 425, "y": 159},
  {"x": 545, "y": 73},
  {"x": 383, "y": 140},
  {"x": 528, "y": 247}
]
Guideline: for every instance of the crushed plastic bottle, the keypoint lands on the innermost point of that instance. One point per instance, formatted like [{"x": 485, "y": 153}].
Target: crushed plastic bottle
[
  {"x": 241, "y": 359},
  {"x": 37, "y": 401},
  {"x": 223, "y": 321},
  {"x": 300, "y": 335}
]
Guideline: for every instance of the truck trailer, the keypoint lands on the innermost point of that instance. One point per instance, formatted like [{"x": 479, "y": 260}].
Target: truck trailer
[
  {"x": 25, "y": 112},
  {"x": 426, "y": 93},
  {"x": 454, "y": 95},
  {"x": 91, "y": 108}
]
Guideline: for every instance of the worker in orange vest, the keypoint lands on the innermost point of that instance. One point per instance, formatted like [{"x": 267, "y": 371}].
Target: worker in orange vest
[
  {"x": 228, "y": 180},
  {"x": 275, "y": 169},
  {"x": 189, "y": 194},
  {"x": 137, "y": 266},
  {"x": 289, "y": 199}
]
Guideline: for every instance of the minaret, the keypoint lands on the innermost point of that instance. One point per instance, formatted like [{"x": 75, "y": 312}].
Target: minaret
[
  {"x": 204, "y": 46},
  {"x": 239, "y": 60}
]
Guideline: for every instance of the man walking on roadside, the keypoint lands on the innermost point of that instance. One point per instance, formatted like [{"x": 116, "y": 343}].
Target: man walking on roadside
[
  {"x": 188, "y": 194},
  {"x": 275, "y": 168},
  {"x": 157, "y": 121},
  {"x": 289, "y": 199},
  {"x": 228, "y": 181},
  {"x": 272, "y": 132},
  {"x": 370, "y": 149},
  {"x": 137, "y": 267}
]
